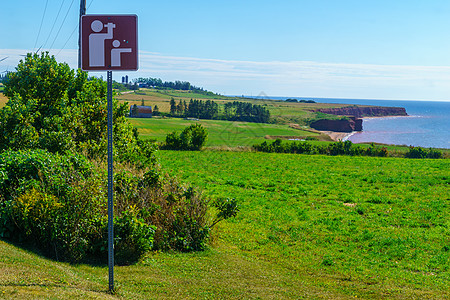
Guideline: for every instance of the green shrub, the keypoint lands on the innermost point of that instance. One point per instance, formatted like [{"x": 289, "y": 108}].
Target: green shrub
[
  {"x": 58, "y": 221},
  {"x": 58, "y": 203},
  {"x": 311, "y": 138},
  {"x": 416, "y": 152},
  {"x": 228, "y": 208},
  {"x": 199, "y": 136},
  {"x": 52, "y": 173},
  {"x": 193, "y": 137},
  {"x": 433, "y": 153},
  {"x": 34, "y": 212},
  {"x": 179, "y": 212},
  {"x": 419, "y": 152},
  {"x": 132, "y": 237}
]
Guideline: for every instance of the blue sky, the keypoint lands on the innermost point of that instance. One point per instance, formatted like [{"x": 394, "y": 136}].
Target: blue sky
[{"x": 345, "y": 49}]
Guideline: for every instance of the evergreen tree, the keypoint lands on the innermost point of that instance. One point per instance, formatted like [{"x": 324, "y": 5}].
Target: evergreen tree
[
  {"x": 173, "y": 107},
  {"x": 156, "y": 110},
  {"x": 180, "y": 108},
  {"x": 134, "y": 110}
]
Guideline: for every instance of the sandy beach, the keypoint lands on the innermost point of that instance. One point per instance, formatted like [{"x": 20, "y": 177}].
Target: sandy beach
[{"x": 337, "y": 136}]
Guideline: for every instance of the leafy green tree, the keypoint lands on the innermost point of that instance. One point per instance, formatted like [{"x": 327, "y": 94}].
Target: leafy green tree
[
  {"x": 16, "y": 125},
  {"x": 50, "y": 107}
]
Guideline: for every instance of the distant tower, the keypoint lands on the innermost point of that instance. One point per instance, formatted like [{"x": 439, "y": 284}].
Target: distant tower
[
  {"x": 126, "y": 79},
  {"x": 123, "y": 79}
]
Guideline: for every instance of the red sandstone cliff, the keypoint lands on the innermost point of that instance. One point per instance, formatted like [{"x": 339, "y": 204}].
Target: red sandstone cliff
[
  {"x": 354, "y": 123},
  {"x": 365, "y": 111},
  {"x": 344, "y": 125}
]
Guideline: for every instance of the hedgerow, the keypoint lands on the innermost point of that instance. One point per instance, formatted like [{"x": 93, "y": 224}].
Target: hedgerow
[
  {"x": 419, "y": 152},
  {"x": 341, "y": 148},
  {"x": 58, "y": 203},
  {"x": 337, "y": 148}
]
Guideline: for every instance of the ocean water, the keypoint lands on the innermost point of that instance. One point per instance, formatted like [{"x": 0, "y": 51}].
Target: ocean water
[{"x": 428, "y": 123}]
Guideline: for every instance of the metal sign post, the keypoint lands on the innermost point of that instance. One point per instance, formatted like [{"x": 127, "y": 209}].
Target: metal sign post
[
  {"x": 109, "y": 42},
  {"x": 110, "y": 185}
]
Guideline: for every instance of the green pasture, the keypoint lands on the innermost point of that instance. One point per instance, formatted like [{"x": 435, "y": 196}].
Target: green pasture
[
  {"x": 346, "y": 226},
  {"x": 220, "y": 133}
]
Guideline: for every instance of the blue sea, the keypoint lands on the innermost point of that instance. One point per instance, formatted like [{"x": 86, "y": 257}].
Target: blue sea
[{"x": 428, "y": 123}]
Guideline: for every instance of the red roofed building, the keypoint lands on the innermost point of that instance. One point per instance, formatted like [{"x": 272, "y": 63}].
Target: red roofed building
[{"x": 137, "y": 111}]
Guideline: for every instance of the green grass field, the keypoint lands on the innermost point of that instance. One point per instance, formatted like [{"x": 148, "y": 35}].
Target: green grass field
[
  {"x": 309, "y": 227},
  {"x": 220, "y": 133},
  {"x": 356, "y": 226}
]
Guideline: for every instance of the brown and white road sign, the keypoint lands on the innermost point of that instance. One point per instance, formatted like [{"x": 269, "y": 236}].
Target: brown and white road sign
[{"x": 109, "y": 42}]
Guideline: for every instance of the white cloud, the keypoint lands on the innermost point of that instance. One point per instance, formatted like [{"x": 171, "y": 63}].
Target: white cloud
[{"x": 276, "y": 78}]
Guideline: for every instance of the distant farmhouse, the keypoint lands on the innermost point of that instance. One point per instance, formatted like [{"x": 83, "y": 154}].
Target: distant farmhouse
[{"x": 137, "y": 111}]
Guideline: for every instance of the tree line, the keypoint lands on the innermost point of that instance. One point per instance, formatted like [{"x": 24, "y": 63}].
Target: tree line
[
  {"x": 233, "y": 111},
  {"x": 177, "y": 85}
]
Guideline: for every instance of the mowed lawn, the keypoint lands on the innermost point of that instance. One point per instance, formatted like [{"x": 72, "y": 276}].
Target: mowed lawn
[{"x": 220, "y": 133}]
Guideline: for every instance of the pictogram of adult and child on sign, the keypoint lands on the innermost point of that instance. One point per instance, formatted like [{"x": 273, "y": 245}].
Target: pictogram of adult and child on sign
[{"x": 97, "y": 42}]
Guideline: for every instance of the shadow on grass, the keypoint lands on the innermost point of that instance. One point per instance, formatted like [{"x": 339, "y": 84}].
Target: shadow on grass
[{"x": 92, "y": 260}]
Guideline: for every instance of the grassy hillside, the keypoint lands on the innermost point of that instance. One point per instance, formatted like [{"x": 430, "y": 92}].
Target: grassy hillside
[
  {"x": 162, "y": 97},
  {"x": 309, "y": 227},
  {"x": 281, "y": 112},
  {"x": 220, "y": 133}
]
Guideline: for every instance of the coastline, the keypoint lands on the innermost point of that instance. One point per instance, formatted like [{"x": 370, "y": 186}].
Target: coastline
[
  {"x": 343, "y": 136},
  {"x": 425, "y": 126},
  {"x": 382, "y": 117},
  {"x": 338, "y": 136}
]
